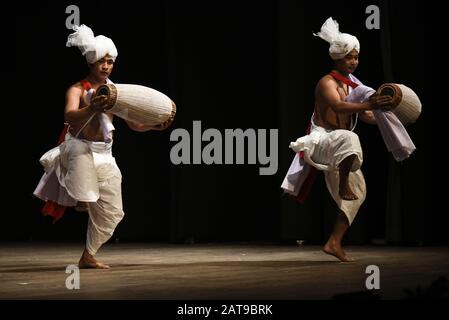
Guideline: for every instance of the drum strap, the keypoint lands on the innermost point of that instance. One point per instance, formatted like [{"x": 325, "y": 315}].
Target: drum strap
[
  {"x": 350, "y": 83},
  {"x": 86, "y": 86}
]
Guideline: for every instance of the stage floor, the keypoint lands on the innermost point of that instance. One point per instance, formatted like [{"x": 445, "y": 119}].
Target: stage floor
[{"x": 216, "y": 271}]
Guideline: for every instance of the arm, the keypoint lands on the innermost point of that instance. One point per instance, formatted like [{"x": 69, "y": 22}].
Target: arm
[
  {"x": 73, "y": 114},
  {"x": 142, "y": 127},
  {"x": 139, "y": 127},
  {"x": 327, "y": 88}
]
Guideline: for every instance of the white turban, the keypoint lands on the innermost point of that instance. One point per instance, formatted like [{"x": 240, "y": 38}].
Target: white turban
[
  {"x": 93, "y": 48},
  {"x": 340, "y": 43}
]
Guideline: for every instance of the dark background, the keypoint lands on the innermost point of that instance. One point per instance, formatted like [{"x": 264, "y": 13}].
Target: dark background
[{"x": 230, "y": 64}]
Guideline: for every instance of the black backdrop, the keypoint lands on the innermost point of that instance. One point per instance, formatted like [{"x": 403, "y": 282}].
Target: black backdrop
[{"x": 230, "y": 64}]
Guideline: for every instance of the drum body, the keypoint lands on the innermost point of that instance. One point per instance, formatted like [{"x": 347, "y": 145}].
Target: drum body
[
  {"x": 138, "y": 103},
  {"x": 406, "y": 104}
]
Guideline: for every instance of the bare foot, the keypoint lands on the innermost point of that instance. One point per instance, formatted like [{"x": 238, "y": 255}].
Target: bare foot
[
  {"x": 337, "y": 251},
  {"x": 87, "y": 261},
  {"x": 346, "y": 193}
]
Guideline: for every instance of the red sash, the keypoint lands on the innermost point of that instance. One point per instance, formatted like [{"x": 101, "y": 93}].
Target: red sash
[
  {"x": 343, "y": 79},
  {"x": 86, "y": 85}
]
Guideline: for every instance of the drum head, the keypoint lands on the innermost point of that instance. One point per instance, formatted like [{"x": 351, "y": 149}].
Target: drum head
[
  {"x": 103, "y": 91},
  {"x": 392, "y": 90},
  {"x": 110, "y": 92}
]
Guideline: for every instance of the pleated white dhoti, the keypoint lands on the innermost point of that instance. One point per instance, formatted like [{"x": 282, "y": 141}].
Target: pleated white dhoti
[
  {"x": 83, "y": 170},
  {"x": 325, "y": 150}
]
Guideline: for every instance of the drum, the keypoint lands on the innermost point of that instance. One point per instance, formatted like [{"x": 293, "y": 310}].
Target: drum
[
  {"x": 138, "y": 104},
  {"x": 406, "y": 104}
]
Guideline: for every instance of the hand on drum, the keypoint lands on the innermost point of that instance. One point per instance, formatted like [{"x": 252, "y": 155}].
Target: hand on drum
[
  {"x": 140, "y": 127},
  {"x": 98, "y": 103},
  {"x": 377, "y": 101},
  {"x": 169, "y": 121},
  {"x": 162, "y": 126}
]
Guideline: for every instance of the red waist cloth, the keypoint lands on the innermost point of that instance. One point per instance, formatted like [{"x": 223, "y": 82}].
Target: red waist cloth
[
  {"x": 308, "y": 183},
  {"x": 52, "y": 208}
]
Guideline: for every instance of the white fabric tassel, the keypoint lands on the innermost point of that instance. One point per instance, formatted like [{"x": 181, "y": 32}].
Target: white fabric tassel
[{"x": 329, "y": 31}]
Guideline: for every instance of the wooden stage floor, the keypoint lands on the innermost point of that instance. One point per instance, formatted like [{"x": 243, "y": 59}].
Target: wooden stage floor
[{"x": 217, "y": 271}]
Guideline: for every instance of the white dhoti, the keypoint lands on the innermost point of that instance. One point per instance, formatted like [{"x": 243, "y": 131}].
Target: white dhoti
[
  {"x": 106, "y": 213},
  {"x": 85, "y": 171},
  {"x": 325, "y": 150}
]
